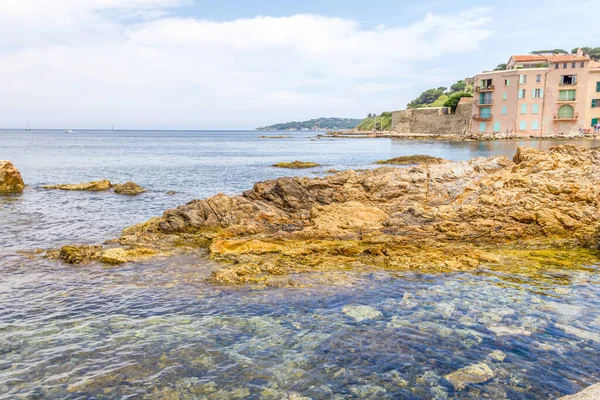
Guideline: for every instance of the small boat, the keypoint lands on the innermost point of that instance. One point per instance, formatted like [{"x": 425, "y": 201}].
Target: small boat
[
  {"x": 68, "y": 131},
  {"x": 27, "y": 127}
]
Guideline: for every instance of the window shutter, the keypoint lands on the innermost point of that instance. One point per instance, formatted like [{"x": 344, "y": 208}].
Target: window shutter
[
  {"x": 504, "y": 110},
  {"x": 593, "y": 103},
  {"x": 533, "y": 93},
  {"x": 534, "y": 125},
  {"x": 541, "y": 93},
  {"x": 520, "y": 93},
  {"x": 597, "y": 86},
  {"x": 523, "y": 125},
  {"x": 497, "y": 126},
  {"x": 534, "y": 109}
]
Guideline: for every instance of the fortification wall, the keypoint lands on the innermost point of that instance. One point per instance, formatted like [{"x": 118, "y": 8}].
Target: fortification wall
[{"x": 434, "y": 121}]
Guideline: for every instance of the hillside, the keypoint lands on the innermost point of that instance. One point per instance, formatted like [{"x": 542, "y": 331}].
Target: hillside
[
  {"x": 382, "y": 122},
  {"x": 319, "y": 124}
]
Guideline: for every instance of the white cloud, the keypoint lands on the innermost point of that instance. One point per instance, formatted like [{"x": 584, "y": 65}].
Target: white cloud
[{"x": 87, "y": 64}]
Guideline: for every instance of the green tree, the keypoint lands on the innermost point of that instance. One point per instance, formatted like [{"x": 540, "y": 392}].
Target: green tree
[
  {"x": 427, "y": 97},
  {"x": 459, "y": 86},
  {"x": 454, "y": 99},
  {"x": 500, "y": 67},
  {"x": 555, "y": 51}
]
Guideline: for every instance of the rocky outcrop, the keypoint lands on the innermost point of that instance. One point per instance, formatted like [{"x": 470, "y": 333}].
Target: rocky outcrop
[
  {"x": 95, "y": 186},
  {"x": 471, "y": 374},
  {"x": 296, "y": 164},
  {"x": 128, "y": 188},
  {"x": 446, "y": 217},
  {"x": 412, "y": 160},
  {"x": 10, "y": 178}
]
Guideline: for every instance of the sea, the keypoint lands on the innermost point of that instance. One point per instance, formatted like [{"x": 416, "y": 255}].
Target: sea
[{"x": 159, "y": 330}]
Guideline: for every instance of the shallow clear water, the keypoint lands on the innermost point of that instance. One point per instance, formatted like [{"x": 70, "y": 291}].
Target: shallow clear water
[{"x": 157, "y": 330}]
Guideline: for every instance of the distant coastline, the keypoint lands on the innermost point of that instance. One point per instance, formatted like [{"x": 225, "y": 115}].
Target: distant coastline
[{"x": 319, "y": 124}]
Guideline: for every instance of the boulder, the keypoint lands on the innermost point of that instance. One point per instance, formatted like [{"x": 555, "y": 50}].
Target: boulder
[
  {"x": 296, "y": 164},
  {"x": 95, "y": 186},
  {"x": 591, "y": 393},
  {"x": 10, "y": 178},
  {"x": 412, "y": 160},
  {"x": 360, "y": 313},
  {"x": 128, "y": 188}
]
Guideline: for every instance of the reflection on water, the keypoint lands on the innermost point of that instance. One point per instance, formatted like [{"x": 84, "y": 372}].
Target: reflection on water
[{"x": 158, "y": 330}]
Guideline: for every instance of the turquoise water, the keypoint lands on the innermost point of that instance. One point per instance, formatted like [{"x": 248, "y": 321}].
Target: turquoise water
[{"x": 158, "y": 330}]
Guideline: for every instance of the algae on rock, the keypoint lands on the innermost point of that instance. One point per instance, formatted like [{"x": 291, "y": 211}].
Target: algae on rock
[{"x": 10, "y": 178}]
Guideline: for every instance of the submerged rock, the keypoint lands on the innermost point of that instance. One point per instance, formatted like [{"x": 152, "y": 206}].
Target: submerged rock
[
  {"x": 128, "y": 188},
  {"x": 591, "y": 393},
  {"x": 296, "y": 164},
  {"x": 476, "y": 373},
  {"x": 360, "y": 313},
  {"x": 508, "y": 330},
  {"x": 95, "y": 186},
  {"x": 412, "y": 160},
  {"x": 10, "y": 178},
  {"x": 541, "y": 210}
]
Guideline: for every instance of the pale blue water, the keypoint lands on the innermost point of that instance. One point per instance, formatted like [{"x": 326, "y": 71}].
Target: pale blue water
[{"x": 160, "y": 331}]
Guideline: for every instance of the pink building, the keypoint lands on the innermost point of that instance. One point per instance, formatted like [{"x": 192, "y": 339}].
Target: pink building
[{"x": 538, "y": 95}]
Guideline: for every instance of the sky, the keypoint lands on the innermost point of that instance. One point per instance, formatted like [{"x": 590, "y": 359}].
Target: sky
[{"x": 240, "y": 64}]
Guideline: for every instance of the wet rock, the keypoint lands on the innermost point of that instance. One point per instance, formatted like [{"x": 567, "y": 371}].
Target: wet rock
[
  {"x": 95, "y": 186},
  {"x": 363, "y": 391},
  {"x": 361, "y": 313},
  {"x": 296, "y": 164},
  {"x": 10, "y": 178},
  {"x": 591, "y": 393},
  {"x": 580, "y": 333},
  {"x": 171, "y": 192},
  {"x": 476, "y": 373},
  {"x": 129, "y": 189},
  {"x": 446, "y": 309},
  {"x": 501, "y": 330},
  {"x": 497, "y": 355},
  {"x": 412, "y": 160},
  {"x": 79, "y": 254}
]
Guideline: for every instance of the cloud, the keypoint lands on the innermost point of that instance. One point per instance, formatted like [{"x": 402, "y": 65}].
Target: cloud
[{"x": 132, "y": 64}]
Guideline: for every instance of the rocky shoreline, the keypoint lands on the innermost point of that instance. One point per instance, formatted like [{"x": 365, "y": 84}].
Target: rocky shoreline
[
  {"x": 541, "y": 209},
  {"x": 468, "y": 137}
]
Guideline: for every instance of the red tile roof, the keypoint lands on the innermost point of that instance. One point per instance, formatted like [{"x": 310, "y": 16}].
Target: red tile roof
[
  {"x": 549, "y": 58},
  {"x": 528, "y": 57}
]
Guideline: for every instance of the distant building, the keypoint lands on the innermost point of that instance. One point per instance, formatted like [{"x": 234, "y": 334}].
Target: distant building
[{"x": 538, "y": 95}]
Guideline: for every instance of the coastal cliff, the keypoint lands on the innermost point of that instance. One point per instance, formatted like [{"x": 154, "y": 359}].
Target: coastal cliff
[{"x": 446, "y": 217}]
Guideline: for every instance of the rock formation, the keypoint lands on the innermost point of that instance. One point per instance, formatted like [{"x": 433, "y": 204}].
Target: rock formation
[
  {"x": 445, "y": 217},
  {"x": 591, "y": 393},
  {"x": 296, "y": 164},
  {"x": 10, "y": 178},
  {"x": 128, "y": 188},
  {"x": 412, "y": 160},
  {"x": 96, "y": 186}
]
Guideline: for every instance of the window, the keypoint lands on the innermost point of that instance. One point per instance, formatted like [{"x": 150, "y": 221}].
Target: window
[
  {"x": 566, "y": 112},
  {"x": 497, "y": 126},
  {"x": 486, "y": 83},
  {"x": 485, "y": 112},
  {"x": 522, "y": 79},
  {"x": 523, "y": 108},
  {"x": 564, "y": 65},
  {"x": 507, "y": 82},
  {"x": 537, "y": 93},
  {"x": 504, "y": 96},
  {"x": 556, "y": 65},
  {"x": 535, "y": 125},
  {"x": 568, "y": 79},
  {"x": 504, "y": 110},
  {"x": 523, "y": 125},
  {"x": 521, "y": 93},
  {"x": 594, "y": 121},
  {"x": 595, "y": 103},
  {"x": 485, "y": 98},
  {"x": 582, "y": 64},
  {"x": 482, "y": 126},
  {"x": 572, "y": 65},
  {"x": 597, "y": 86},
  {"x": 538, "y": 78},
  {"x": 535, "y": 108},
  {"x": 566, "y": 95}
]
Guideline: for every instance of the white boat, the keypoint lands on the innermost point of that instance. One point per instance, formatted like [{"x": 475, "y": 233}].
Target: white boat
[{"x": 68, "y": 131}]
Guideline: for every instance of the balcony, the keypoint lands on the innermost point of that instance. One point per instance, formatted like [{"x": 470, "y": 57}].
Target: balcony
[
  {"x": 488, "y": 88},
  {"x": 566, "y": 101},
  {"x": 487, "y": 117},
  {"x": 559, "y": 118},
  {"x": 484, "y": 102}
]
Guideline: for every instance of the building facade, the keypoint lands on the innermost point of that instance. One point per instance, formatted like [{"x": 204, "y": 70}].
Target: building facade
[{"x": 538, "y": 95}]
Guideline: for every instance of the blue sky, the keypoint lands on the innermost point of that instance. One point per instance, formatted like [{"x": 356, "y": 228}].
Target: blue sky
[{"x": 185, "y": 64}]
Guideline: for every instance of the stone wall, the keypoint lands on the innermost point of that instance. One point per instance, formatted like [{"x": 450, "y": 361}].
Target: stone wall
[{"x": 434, "y": 121}]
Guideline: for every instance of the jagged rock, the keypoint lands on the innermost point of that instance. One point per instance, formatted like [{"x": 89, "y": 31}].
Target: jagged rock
[
  {"x": 541, "y": 210},
  {"x": 128, "y": 188},
  {"x": 95, "y": 186},
  {"x": 10, "y": 178},
  {"x": 476, "y": 373},
  {"x": 591, "y": 393},
  {"x": 79, "y": 254}
]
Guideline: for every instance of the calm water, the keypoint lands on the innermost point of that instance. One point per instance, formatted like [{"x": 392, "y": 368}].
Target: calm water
[{"x": 159, "y": 331}]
